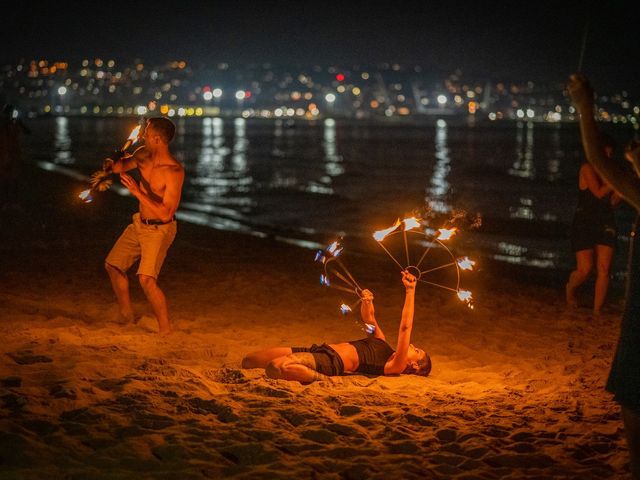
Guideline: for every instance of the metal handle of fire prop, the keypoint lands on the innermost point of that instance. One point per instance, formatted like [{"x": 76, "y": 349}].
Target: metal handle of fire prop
[
  {"x": 410, "y": 226},
  {"x": 336, "y": 271},
  {"x": 100, "y": 180}
]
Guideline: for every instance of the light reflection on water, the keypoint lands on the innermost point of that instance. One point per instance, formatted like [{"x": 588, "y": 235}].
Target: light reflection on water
[{"x": 308, "y": 182}]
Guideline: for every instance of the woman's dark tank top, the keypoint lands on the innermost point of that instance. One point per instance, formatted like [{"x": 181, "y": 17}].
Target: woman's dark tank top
[
  {"x": 373, "y": 354},
  {"x": 596, "y": 209}
]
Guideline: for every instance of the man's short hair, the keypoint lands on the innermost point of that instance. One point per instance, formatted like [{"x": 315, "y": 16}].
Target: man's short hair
[{"x": 165, "y": 127}]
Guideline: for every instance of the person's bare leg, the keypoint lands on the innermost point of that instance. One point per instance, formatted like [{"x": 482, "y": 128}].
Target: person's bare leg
[
  {"x": 584, "y": 263},
  {"x": 120, "y": 285},
  {"x": 298, "y": 367},
  {"x": 604, "y": 254},
  {"x": 261, "y": 358},
  {"x": 158, "y": 302}
]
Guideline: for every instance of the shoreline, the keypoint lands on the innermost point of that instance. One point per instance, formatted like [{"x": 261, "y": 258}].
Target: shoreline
[{"x": 516, "y": 391}]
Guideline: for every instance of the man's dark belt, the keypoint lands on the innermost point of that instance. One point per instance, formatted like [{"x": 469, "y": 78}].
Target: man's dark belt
[{"x": 155, "y": 221}]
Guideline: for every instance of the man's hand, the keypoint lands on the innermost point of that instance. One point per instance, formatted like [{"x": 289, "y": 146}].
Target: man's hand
[
  {"x": 107, "y": 165},
  {"x": 581, "y": 93},
  {"x": 130, "y": 183},
  {"x": 409, "y": 281}
]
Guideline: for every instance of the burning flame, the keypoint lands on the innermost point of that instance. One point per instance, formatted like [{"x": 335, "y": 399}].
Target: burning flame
[
  {"x": 410, "y": 223},
  {"x": 446, "y": 233},
  {"x": 85, "y": 196},
  {"x": 465, "y": 296},
  {"x": 133, "y": 136},
  {"x": 465, "y": 263},
  {"x": 334, "y": 249},
  {"x": 344, "y": 309},
  {"x": 381, "y": 234}
]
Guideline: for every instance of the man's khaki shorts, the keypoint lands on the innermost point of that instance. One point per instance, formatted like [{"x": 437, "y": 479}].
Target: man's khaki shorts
[{"x": 149, "y": 243}]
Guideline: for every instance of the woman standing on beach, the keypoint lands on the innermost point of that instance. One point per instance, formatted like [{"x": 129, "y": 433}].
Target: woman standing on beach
[
  {"x": 368, "y": 356},
  {"x": 624, "y": 377},
  {"x": 593, "y": 232}
]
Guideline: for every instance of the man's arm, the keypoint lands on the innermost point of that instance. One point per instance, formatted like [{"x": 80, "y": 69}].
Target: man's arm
[
  {"x": 611, "y": 171},
  {"x": 406, "y": 325},
  {"x": 367, "y": 313},
  {"x": 166, "y": 208},
  {"x": 126, "y": 162}
]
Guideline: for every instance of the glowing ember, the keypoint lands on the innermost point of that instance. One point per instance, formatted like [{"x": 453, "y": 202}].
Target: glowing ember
[
  {"x": 410, "y": 223},
  {"x": 344, "y": 309},
  {"x": 381, "y": 234},
  {"x": 465, "y": 263},
  {"x": 85, "y": 196},
  {"x": 334, "y": 249},
  {"x": 324, "y": 280},
  {"x": 446, "y": 233}
]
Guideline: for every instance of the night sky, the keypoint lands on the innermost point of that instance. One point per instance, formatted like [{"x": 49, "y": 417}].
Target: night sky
[{"x": 499, "y": 40}]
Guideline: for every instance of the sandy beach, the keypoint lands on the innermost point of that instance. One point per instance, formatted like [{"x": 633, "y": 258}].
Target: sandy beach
[{"x": 516, "y": 391}]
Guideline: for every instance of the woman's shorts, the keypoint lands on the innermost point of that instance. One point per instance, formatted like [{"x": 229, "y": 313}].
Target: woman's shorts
[{"x": 328, "y": 362}]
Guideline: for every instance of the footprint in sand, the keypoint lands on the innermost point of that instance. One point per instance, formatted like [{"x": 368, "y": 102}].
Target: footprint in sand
[{"x": 27, "y": 357}]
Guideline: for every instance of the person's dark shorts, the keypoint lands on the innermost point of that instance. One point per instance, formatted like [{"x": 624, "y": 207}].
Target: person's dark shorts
[
  {"x": 328, "y": 362},
  {"x": 585, "y": 234}
]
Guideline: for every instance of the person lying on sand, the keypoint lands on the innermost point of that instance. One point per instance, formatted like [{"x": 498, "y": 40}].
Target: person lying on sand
[{"x": 368, "y": 356}]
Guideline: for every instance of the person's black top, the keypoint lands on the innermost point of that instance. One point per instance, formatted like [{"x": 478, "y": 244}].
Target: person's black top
[
  {"x": 593, "y": 223},
  {"x": 373, "y": 354},
  {"x": 624, "y": 377}
]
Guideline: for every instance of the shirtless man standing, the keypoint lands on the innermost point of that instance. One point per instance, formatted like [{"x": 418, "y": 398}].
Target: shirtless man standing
[{"x": 153, "y": 228}]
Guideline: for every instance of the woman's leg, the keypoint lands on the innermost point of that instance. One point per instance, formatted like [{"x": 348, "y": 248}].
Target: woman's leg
[
  {"x": 261, "y": 358},
  {"x": 604, "y": 255},
  {"x": 300, "y": 367},
  {"x": 584, "y": 264}
]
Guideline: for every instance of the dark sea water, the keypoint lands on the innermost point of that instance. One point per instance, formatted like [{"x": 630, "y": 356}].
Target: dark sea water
[{"x": 308, "y": 182}]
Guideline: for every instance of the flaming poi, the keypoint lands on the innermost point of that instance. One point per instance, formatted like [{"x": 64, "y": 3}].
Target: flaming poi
[
  {"x": 335, "y": 275},
  {"x": 431, "y": 238},
  {"x": 100, "y": 180}
]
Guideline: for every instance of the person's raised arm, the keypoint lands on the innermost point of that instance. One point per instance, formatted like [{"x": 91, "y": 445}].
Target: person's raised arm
[
  {"x": 127, "y": 162},
  {"x": 611, "y": 171},
  {"x": 594, "y": 183},
  {"x": 399, "y": 362},
  {"x": 367, "y": 313}
]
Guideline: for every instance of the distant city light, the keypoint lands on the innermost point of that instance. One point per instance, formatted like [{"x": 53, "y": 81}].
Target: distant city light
[
  {"x": 240, "y": 94},
  {"x": 217, "y": 92},
  {"x": 330, "y": 97},
  {"x": 340, "y": 77},
  {"x": 442, "y": 99},
  {"x": 207, "y": 95},
  {"x": 62, "y": 90}
]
